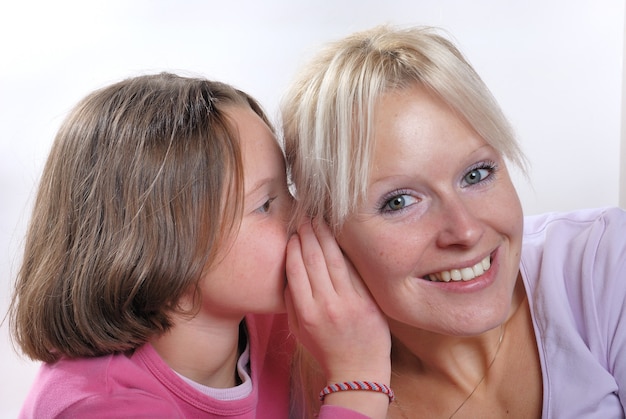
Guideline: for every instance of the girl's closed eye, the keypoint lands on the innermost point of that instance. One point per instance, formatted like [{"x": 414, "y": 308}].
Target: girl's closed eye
[
  {"x": 480, "y": 172},
  {"x": 397, "y": 201}
]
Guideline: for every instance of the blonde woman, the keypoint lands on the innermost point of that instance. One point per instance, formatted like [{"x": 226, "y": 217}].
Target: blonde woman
[{"x": 393, "y": 139}]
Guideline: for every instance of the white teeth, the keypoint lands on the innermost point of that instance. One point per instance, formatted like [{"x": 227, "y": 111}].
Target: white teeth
[
  {"x": 478, "y": 269},
  {"x": 468, "y": 273},
  {"x": 463, "y": 274}
]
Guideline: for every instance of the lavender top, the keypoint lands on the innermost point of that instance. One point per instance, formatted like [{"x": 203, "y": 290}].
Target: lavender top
[{"x": 574, "y": 269}]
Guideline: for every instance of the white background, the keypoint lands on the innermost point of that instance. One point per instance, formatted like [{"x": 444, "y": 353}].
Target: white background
[{"x": 554, "y": 65}]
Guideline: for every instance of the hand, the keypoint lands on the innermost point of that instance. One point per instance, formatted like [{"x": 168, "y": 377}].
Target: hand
[{"x": 332, "y": 312}]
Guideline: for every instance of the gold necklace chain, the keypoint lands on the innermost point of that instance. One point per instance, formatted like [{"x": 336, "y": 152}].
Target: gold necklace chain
[
  {"x": 495, "y": 355},
  {"x": 485, "y": 374}
]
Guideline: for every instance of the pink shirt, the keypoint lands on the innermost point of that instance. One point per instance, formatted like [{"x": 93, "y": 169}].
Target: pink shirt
[{"x": 141, "y": 385}]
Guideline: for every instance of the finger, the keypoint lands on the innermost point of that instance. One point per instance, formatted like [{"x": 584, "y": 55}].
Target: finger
[
  {"x": 343, "y": 273},
  {"x": 315, "y": 262},
  {"x": 297, "y": 276},
  {"x": 337, "y": 264}
]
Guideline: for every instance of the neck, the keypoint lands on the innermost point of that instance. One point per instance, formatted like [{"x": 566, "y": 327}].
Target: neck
[
  {"x": 461, "y": 361},
  {"x": 203, "y": 351}
]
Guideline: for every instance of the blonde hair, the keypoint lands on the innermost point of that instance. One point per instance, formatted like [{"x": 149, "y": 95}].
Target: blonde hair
[
  {"x": 328, "y": 111},
  {"x": 130, "y": 211}
]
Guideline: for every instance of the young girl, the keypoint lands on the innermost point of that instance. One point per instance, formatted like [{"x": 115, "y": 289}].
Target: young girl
[{"x": 160, "y": 224}]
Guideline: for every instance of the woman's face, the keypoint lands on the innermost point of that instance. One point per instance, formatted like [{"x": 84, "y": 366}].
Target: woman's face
[
  {"x": 250, "y": 276},
  {"x": 438, "y": 237}
]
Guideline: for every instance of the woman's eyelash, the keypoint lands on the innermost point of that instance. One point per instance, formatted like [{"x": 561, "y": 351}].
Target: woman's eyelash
[
  {"x": 383, "y": 203},
  {"x": 474, "y": 175},
  {"x": 487, "y": 164}
]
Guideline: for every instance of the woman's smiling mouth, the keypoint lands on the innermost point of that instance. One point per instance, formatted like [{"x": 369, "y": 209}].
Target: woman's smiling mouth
[{"x": 462, "y": 274}]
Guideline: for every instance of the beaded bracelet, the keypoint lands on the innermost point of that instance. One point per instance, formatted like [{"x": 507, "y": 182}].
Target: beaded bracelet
[{"x": 357, "y": 385}]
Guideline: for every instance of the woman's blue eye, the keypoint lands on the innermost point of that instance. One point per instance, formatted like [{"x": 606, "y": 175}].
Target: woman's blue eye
[
  {"x": 476, "y": 176},
  {"x": 398, "y": 202},
  {"x": 479, "y": 174}
]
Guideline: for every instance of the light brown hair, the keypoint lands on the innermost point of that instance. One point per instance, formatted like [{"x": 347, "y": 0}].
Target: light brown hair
[{"x": 130, "y": 211}]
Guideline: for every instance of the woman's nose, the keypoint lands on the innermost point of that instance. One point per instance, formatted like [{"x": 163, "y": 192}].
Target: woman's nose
[{"x": 460, "y": 225}]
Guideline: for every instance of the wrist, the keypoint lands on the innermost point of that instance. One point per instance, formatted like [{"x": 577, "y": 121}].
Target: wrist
[
  {"x": 370, "y": 386},
  {"x": 366, "y": 397}
]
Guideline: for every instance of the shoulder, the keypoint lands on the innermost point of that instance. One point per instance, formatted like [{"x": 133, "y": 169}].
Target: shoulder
[
  {"x": 574, "y": 222},
  {"x": 586, "y": 244},
  {"x": 105, "y": 386},
  {"x": 574, "y": 266},
  {"x": 584, "y": 239}
]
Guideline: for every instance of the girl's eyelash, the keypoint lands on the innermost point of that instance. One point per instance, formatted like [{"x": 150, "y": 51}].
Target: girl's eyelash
[{"x": 266, "y": 205}]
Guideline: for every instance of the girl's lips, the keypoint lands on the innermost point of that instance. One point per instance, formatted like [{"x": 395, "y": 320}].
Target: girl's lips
[{"x": 468, "y": 273}]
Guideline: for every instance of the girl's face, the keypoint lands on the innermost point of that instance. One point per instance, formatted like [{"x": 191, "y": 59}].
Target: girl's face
[
  {"x": 438, "y": 237},
  {"x": 250, "y": 275}
]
